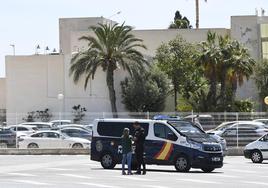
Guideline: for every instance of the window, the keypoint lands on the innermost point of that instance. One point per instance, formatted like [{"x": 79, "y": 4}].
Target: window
[
  {"x": 38, "y": 135},
  {"x": 52, "y": 135},
  {"x": 21, "y": 129},
  {"x": 264, "y": 30},
  {"x": 163, "y": 131},
  {"x": 115, "y": 129}
]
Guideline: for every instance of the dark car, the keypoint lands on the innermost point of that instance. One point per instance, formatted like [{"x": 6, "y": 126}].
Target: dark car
[
  {"x": 7, "y": 138},
  {"x": 77, "y": 132}
]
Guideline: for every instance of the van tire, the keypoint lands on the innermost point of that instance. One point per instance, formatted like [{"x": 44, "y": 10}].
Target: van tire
[
  {"x": 107, "y": 161},
  {"x": 182, "y": 163},
  {"x": 256, "y": 156},
  {"x": 207, "y": 170}
]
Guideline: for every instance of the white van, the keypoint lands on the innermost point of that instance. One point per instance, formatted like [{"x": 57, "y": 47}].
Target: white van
[{"x": 178, "y": 143}]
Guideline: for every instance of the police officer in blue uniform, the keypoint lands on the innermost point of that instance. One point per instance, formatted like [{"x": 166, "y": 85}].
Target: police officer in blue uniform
[{"x": 139, "y": 138}]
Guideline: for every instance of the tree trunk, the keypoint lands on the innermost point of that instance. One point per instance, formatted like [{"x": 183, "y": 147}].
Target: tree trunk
[
  {"x": 223, "y": 89},
  {"x": 110, "y": 85},
  {"x": 197, "y": 13},
  {"x": 175, "y": 97}
]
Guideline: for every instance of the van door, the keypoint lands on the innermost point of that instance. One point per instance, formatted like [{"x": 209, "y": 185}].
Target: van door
[
  {"x": 160, "y": 147},
  {"x": 263, "y": 146}
]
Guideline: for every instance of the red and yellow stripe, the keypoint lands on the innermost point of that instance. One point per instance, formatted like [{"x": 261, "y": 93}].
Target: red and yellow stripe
[{"x": 165, "y": 152}]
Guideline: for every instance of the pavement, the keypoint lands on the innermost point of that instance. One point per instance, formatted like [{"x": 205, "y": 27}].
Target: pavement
[{"x": 65, "y": 171}]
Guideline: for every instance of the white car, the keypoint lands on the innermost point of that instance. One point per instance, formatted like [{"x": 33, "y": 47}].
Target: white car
[
  {"x": 257, "y": 151},
  {"x": 39, "y": 125},
  {"x": 23, "y": 130},
  {"x": 265, "y": 121},
  {"x": 52, "y": 140},
  {"x": 221, "y": 128},
  {"x": 56, "y": 123}
]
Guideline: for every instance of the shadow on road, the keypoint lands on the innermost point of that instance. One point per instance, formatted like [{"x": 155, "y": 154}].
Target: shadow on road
[{"x": 167, "y": 171}]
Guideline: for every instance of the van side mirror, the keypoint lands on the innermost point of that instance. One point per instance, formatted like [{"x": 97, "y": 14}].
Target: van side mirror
[{"x": 172, "y": 136}]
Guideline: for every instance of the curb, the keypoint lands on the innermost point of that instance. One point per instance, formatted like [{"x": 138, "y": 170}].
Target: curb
[{"x": 44, "y": 151}]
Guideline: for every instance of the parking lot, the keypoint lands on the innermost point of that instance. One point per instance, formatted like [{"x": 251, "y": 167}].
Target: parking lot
[{"x": 78, "y": 171}]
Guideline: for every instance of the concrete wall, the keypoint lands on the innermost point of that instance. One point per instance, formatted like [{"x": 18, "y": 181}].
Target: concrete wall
[
  {"x": 32, "y": 83},
  {"x": 246, "y": 30},
  {"x": 2, "y": 93}
]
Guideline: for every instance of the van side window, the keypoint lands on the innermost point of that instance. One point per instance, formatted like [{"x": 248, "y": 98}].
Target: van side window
[
  {"x": 163, "y": 131},
  {"x": 115, "y": 129}
]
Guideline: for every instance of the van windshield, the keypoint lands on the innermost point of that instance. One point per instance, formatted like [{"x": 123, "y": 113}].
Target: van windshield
[{"x": 186, "y": 128}]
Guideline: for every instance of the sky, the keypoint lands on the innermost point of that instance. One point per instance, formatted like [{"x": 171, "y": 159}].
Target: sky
[{"x": 27, "y": 23}]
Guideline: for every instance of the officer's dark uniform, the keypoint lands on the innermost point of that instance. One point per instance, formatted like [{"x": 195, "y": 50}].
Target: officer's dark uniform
[{"x": 139, "y": 143}]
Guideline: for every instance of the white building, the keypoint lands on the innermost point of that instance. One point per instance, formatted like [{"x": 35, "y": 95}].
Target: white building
[{"x": 34, "y": 82}]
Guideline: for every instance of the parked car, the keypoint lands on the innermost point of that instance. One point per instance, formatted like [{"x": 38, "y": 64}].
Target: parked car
[
  {"x": 77, "y": 132},
  {"x": 264, "y": 121},
  {"x": 7, "y": 138},
  {"x": 206, "y": 120},
  {"x": 52, "y": 139},
  {"x": 221, "y": 128},
  {"x": 23, "y": 130},
  {"x": 56, "y": 123},
  {"x": 40, "y": 125},
  {"x": 257, "y": 151},
  {"x": 84, "y": 127},
  {"x": 242, "y": 133}
]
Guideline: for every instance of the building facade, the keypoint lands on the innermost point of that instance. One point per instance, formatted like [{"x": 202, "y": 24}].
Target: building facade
[{"x": 34, "y": 82}]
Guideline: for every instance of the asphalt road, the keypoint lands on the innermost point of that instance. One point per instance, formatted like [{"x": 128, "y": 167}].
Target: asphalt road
[{"x": 79, "y": 171}]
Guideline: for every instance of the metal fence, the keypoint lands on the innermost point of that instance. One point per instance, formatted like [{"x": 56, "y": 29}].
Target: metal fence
[{"x": 239, "y": 137}]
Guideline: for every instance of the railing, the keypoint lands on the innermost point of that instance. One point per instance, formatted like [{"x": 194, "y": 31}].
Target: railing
[{"x": 208, "y": 121}]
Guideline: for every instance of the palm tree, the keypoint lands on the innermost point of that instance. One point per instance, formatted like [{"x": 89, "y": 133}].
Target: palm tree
[
  {"x": 197, "y": 13},
  {"x": 241, "y": 67},
  {"x": 111, "y": 47},
  {"x": 209, "y": 59}
]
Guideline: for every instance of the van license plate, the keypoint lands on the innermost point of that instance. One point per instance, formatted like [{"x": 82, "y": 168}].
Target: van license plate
[{"x": 216, "y": 159}]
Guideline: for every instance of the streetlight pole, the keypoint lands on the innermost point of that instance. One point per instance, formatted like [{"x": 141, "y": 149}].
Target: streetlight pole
[
  {"x": 117, "y": 13},
  {"x": 13, "y": 47},
  {"x": 60, "y": 98}
]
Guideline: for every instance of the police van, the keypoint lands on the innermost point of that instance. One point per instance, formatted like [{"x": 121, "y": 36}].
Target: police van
[{"x": 178, "y": 143}]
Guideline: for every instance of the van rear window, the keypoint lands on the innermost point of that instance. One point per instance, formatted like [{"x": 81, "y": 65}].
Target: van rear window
[{"x": 115, "y": 129}]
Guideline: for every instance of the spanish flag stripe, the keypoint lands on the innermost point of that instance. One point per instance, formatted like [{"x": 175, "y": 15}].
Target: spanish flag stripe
[
  {"x": 162, "y": 149},
  {"x": 169, "y": 152},
  {"x": 163, "y": 154}
]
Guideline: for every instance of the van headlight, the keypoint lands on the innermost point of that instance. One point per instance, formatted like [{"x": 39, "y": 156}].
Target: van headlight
[{"x": 196, "y": 145}]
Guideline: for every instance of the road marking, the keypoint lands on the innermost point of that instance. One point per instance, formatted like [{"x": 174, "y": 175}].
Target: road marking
[
  {"x": 154, "y": 186},
  {"x": 224, "y": 176},
  {"x": 75, "y": 176},
  {"x": 244, "y": 171},
  {"x": 98, "y": 185},
  {"x": 255, "y": 183},
  {"x": 60, "y": 169},
  {"x": 31, "y": 182},
  {"x": 21, "y": 174},
  {"x": 198, "y": 181},
  {"x": 134, "y": 178}
]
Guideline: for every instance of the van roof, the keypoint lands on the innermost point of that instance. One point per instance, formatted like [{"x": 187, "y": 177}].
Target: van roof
[{"x": 127, "y": 120}]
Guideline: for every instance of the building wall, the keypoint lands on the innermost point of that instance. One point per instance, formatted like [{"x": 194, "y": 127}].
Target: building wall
[
  {"x": 32, "y": 83},
  {"x": 2, "y": 93},
  {"x": 246, "y": 30}
]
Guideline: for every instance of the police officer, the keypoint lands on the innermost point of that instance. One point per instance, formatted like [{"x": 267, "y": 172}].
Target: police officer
[{"x": 139, "y": 138}]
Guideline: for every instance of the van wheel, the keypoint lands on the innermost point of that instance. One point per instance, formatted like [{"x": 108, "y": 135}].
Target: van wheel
[
  {"x": 107, "y": 161},
  {"x": 207, "y": 170},
  {"x": 182, "y": 164},
  {"x": 256, "y": 157}
]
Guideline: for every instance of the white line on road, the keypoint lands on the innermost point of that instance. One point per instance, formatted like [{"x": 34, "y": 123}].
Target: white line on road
[
  {"x": 198, "y": 181},
  {"x": 134, "y": 178},
  {"x": 21, "y": 174},
  {"x": 254, "y": 182},
  {"x": 154, "y": 186},
  {"x": 244, "y": 171},
  {"x": 31, "y": 182},
  {"x": 224, "y": 176},
  {"x": 75, "y": 176},
  {"x": 60, "y": 169},
  {"x": 98, "y": 185}
]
